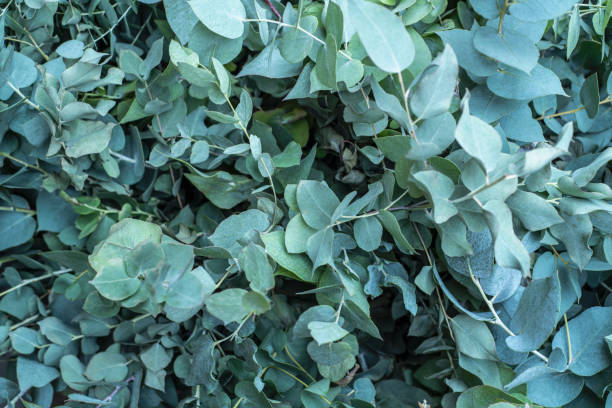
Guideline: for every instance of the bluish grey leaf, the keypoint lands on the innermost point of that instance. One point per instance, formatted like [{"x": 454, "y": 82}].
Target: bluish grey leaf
[
  {"x": 473, "y": 337},
  {"x": 511, "y": 48},
  {"x": 368, "y": 233},
  {"x": 382, "y": 34},
  {"x": 434, "y": 91},
  {"x": 509, "y": 251},
  {"x": 513, "y": 84},
  {"x": 317, "y": 203},
  {"x": 181, "y": 18},
  {"x": 521, "y": 126},
  {"x": 537, "y": 10},
  {"x": 270, "y": 64},
  {"x": 319, "y": 247},
  {"x": 478, "y": 139},
  {"x": 31, "y": 373},
  {"x": 541, "y": 380},
  {"x": 488, "y": 106},
  {"x": 468, "y": 58},
  {"x": 541, "y": 297},
  {"x": 590, "y": 353},
  {"x": 433, "y": 136},
  {"x": 439, "y": 188},
  {"x": 575, "y": 233},
  {"x": 225, "y": 20},
  {"x": 534, "y": 212},
  {"x": 71, "y": 49}
]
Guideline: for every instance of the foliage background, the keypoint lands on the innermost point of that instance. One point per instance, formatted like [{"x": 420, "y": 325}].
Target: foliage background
[{"x": 387, "y": 203}]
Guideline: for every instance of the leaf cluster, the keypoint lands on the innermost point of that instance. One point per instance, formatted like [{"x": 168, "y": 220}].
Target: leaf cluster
[{"x": 340, "y": 203}]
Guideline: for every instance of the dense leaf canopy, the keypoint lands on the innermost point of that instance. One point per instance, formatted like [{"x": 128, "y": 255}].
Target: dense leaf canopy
[{"x": 305, "y": 203}]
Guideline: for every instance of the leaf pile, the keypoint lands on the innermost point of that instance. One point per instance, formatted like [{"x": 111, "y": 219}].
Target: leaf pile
[{"x": 346, "y": 203}]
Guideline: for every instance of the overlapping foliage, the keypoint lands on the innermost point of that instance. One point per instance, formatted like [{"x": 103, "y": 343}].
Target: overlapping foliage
[{"x": 347, "y": 203}]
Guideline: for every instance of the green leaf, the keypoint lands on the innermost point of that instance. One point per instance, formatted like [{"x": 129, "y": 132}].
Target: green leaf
[
  {"x": 257, "y": 269},
  {"x": 297, "y": 234},
  {"x": 189, "y": 292},
  {"x": 299, "y": 265},
  {"x": 329, "y": 354},
  {"x": 585, "y": 174},
  {"x": 72, "y": 371},
  {"x": 480, "y": 260},
  {"x": 390, "y": 224},
  {"x": 16, "y": 228},
  {"x": 71, "y": 49},
  {"x": 514, "y": 84},
  {"x": 573, "y": 32},
  {"x": 223, "y": 189},
  {"x": 235, "y": 227},
  {"x": 326, "y": 332},
  {"x": 227, "y": 305},
  {"x": 319, "y": 247},
  {"x": 473, "y": 338},
  {"x": 31, "y": 373},
  {"x": 317, "y": 203},
  {"x": 83, "y": 137},
  {"x": 537, "y": 10},
  {"x": 295, "y": 44},
  {"x": 478, "y": 139},
  {"x": 113, "y": 282},
  {"x": 107, "y": 366},
  {"x": 511, "y": 48},
  {"x": 56, "y": 331},
  {"x": 541, "y": 297},
  {"x": 484, "y": 396},
  {"x": 225, "y": 20},
  {"x": 200, "y": 152},
  {"x": 368, "y": 233},
  {"x": 390, "y": 104},
  {"x": 439, "y": 188},
  {"x": 156, "y": 357},
  {"x": 25, "y": 340},
  {"x": 434, "y": 135},
  {"x": 181, "y": 18},
  {"x": 269, "y": 63},
  {"x": 487, "y": 8},
  {"x": 325, "y": 67},
  {"x": 589, "y": 95},
  {"x": 434, "y": 91},
  {"x": 534, "y": 212},
  {"x": 468, "y": 58},
  {"x": 382, "y": 34},
  {"x": 255, "y": 302},
  {"x": 575, "y": 233},
  {"x": 509, "y": 251}
]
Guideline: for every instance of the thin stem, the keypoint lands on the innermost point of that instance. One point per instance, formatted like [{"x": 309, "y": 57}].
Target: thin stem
[
  {"x": 19, "y": 210},
  {"x": 498, "y": 321},
  {"x": 24, "y": 322},
  {"x": 483, "y": 188},
  {"x": 298, "y": 364},
  {"x": 554, "y": 115},
  {"x": 405, "y": 97},
  {"x": 446, "y": 318},
  {"x": 32, "y": 280},
  {"x": 265, "y": 166},
  {"x": 569, "y": 341},
  {"x": 34, "y": 43},
  {"x": 280, "y": 23},
  {"x": 95, "y": 40},
  {"x": 501, "y": 17},
  {"x": 25, "y": 98},
  {"x": 24, "y": 163}
]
